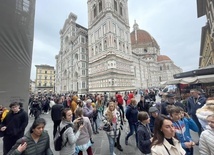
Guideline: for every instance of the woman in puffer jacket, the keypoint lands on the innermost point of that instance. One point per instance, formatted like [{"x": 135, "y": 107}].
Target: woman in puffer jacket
[
  {"x": 206, "y": 110},
  {"x": 112, "y": 117},
  {"x": 35, "y": 138}
]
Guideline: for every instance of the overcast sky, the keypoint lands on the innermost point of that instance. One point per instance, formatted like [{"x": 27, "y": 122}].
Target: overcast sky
[{"x": 173, "y": 23}]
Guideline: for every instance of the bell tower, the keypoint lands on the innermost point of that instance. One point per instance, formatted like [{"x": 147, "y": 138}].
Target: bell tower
[{"x": 109, "y": 46}]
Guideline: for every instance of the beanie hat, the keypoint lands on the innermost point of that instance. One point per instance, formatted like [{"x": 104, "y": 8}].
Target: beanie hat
[{"x": 153, "y": 109}]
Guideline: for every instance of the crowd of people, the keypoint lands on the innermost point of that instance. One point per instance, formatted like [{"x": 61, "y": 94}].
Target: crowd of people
[{"x": 159, "y": 129}]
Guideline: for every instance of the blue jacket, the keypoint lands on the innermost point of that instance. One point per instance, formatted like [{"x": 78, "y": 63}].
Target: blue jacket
[
  {"x": 131, "y": 114},
  {"x": 182, "y": 129}
]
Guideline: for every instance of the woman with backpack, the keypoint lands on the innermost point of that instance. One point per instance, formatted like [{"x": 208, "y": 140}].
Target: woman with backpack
[{"x": 69, "y": 137}]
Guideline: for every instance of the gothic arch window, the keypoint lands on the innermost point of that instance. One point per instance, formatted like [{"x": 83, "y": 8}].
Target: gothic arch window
[
  {"x": 100, "y": 47},
  {"x": 115, "y": 5},
  {"x": 121, "y": 9},
  {"x": 105, "y": 44},
  {"x": 95, "y": 10},
  {"x": 119, "y": 46},
  {"x": 96, "y": 50},
  {"x": 115, "y": 43},
  {"x": 100, "y": 6}
]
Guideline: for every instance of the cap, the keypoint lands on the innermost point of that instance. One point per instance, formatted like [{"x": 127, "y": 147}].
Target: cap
[
  {"x": 153, "y": 109},
  {"x": 170, "y": 95}
]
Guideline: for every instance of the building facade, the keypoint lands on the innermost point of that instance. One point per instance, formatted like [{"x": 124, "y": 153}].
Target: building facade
[
  {"x": 109, "y": 46},
  {"x": 116, "y": 60},
  {"x": 45, "y": 79},
  {"x": 72, "y": 60},
  {"x": 206, "y": 7}
]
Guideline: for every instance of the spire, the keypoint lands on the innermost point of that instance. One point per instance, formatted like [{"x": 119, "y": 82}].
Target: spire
[{"x": 135, "y": 26}]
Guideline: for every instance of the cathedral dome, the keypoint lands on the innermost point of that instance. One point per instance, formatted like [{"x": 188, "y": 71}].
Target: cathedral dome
[
  {"x": 162, "y": 58},
  {"x": 141, "y": 38}
]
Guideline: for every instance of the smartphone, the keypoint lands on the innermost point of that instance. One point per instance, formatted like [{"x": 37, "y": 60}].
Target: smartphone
[{"x": 23, "y": 140}]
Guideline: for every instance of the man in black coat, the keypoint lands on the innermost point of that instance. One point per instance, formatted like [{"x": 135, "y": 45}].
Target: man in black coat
[
  {"x": 56, "y": 115},
  {"x": 13, "y": 126},
  {"x": 169, "y": 101}
]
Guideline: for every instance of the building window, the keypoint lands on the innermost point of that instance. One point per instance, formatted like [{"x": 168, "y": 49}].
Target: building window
[
  {"x": 50, "y": 77},
  {"x": 83, "y": 56},
  {"x": 100, "y": 6},
  {"x": 83, "y": 65},
  {"x": 121, "y": 9},
  {"x": 45, "y": 72},
  {"x": 160, "y": 78},
  {"x": 83, "y": 72},
  {"x": 115, "y": 5},
  {"x": 95, "y": 11},
  {"x": 161, "y": 68},
  {"x": 46, "y": 78},
  {"x": 83, "y": 50},
  {"x": 82, "y": 39},
  {"x": 40, "y": 71},
  {"x": 39, "y": 84},
  {"x": 83, "y": 84},
  {"x": 45, "y": 84}
]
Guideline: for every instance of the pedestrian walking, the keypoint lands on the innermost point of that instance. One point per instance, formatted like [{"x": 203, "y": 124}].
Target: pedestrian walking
[{"x": 13, "y": 126}]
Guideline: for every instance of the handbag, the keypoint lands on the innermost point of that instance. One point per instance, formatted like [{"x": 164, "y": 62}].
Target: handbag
[{"x": 107, "y": 127}]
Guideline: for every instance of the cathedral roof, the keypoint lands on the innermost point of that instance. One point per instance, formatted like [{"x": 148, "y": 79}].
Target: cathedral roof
[
  {"x": 141, "y": 37},
  {"x": 162, "y": 58}
]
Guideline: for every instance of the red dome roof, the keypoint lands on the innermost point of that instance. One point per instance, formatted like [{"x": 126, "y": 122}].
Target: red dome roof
[
  {"x": 162, "y": 58},
  {"x": 143, "y": 37}
]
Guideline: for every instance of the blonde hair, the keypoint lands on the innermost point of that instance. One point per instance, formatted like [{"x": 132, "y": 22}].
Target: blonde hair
[{"x": 109, "y": 115}]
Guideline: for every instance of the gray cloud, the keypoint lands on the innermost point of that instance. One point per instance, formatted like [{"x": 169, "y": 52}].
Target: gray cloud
[{"x": 173, "y": 23}]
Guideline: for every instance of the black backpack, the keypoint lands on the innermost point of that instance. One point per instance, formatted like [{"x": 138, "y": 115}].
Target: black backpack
[{"x": 58, "y": 138}]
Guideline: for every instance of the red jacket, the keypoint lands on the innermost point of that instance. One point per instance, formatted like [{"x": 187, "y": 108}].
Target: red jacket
[{"x": 119, "y": 99}]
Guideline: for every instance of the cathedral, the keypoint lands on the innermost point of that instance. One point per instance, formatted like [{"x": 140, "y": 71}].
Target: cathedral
[{"x": 106, "y": 57}]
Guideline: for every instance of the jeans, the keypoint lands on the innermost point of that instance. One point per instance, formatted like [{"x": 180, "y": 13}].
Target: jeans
[
  {"x": 111, "y": 144},
  {"x": 99, "y": 119},
  {"x": 133, "y": 128}
]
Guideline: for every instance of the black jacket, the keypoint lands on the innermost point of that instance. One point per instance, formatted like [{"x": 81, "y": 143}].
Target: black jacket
[
  {"x": 56, "y": 112},
  {"x": 144, "y": 135},
  {"x": 15, "y": 123}
]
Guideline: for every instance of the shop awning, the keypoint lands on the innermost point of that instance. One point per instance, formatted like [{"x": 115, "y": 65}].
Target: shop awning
[{"x": 191, "y": 80}]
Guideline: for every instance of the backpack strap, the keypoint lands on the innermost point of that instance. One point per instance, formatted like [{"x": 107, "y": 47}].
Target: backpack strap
[{"x": 63, "y": 130}]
